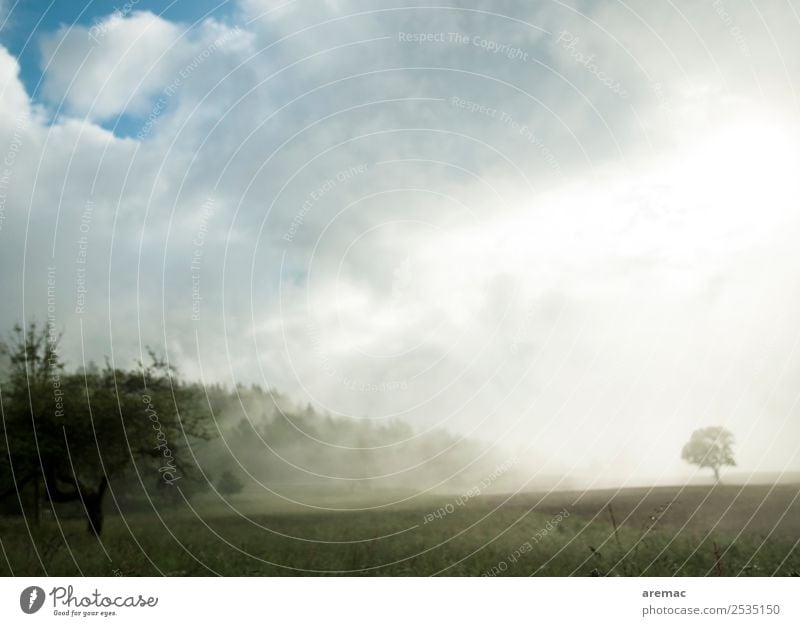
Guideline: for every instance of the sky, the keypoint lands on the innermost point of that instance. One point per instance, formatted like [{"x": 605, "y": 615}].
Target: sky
[{"x": 567, "y": 229}]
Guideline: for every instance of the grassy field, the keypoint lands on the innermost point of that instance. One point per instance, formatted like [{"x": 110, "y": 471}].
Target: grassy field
[{"x": 698, "y": 531}]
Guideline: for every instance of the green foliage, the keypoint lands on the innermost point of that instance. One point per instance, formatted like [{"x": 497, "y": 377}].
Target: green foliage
[{"x": 73, "y": 432}]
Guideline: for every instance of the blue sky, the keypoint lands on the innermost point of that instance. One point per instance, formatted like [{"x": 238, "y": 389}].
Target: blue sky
[{"x": 28, "y": 20}]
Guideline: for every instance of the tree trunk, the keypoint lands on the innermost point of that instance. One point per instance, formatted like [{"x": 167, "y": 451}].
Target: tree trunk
[
  {"x": 93, "y": 504},
  {"x": 94, "y": 514},
  {"x": 36, "y": 502},
  {"x": 92, "y": 501}
]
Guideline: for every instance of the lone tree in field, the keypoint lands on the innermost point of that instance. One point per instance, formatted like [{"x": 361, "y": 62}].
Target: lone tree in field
[
  {"x": 69, "y": 435},
  {"x": 710, "y": 447}
]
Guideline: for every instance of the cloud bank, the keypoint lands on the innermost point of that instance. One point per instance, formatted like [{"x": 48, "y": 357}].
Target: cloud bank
[{"x": 567, "y": 230}]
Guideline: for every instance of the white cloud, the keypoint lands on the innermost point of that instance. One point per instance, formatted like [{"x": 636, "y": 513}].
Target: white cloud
[
  {"x": 115, "y": 66},
  {"x": 14, "y": 101},
  {"x": 123, "y": 63},
  {"x": 459, "y": 278}
]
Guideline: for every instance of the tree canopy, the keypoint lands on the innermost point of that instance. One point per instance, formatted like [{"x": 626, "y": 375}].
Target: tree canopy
[
  {"x": 72, "y": 433},
  {"x": 710, "y": 447}
]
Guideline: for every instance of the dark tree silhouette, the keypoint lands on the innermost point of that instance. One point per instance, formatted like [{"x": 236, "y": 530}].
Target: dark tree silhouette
[
  {"x": 710, "y": 447},
  {"x": 72, "y": 433}
]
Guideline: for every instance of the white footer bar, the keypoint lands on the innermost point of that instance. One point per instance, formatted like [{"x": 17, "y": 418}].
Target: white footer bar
[{"x": 400, "y": 601}]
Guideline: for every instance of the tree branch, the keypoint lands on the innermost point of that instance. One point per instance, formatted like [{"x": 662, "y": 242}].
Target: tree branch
[{"x": 54, "y": 492}]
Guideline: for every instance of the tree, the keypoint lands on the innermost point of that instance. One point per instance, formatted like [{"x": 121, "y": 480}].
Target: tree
[
  {"x": 72, "y": 433},
  {"x": 710, "y": 447}
]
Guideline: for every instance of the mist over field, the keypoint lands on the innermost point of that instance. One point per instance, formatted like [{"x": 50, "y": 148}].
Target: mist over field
[{"x": 391, "y": 253}]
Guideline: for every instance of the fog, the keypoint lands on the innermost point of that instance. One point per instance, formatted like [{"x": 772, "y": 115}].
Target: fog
[{"x": 556, "y": 243}]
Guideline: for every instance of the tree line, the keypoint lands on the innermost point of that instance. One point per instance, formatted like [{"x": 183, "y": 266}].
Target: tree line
[{"x": 146, "y": 435}]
